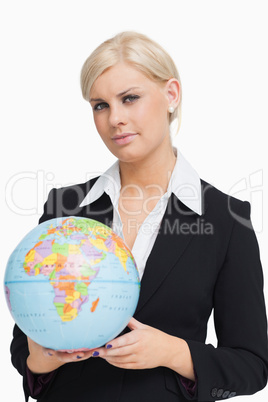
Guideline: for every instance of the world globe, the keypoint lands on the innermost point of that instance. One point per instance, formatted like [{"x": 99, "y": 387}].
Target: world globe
[{"x": 71, "y": 284}]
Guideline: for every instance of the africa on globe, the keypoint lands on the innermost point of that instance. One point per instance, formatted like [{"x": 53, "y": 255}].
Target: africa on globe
[{"x": 71, "y": 284}]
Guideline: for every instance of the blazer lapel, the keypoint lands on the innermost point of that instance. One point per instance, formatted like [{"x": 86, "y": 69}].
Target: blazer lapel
[{"x": 175, "y": 233}]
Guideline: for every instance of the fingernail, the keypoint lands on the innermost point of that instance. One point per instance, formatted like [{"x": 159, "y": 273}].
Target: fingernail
[
  {"x": 95, "y": 354},
  {"x": 109, "y": 346}
]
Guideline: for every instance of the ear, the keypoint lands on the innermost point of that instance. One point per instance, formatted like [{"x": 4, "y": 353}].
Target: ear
[{"x": 173, "y": 92}]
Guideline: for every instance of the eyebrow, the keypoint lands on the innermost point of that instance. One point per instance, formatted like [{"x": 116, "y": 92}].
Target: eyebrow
[{"x": 118, "y": 95}]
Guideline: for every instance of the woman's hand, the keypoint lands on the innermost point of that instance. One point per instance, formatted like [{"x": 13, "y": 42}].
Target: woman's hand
[
  {"x": 42, "y": 360},
  {"x": 143, "y": 347},
  {"x": 147, "y": 347}
]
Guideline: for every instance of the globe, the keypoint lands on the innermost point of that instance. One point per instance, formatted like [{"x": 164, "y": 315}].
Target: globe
[{"x": 71, "y": 284}]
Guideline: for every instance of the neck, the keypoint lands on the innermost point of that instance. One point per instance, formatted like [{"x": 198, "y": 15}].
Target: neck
[{"x": 150, "y": 174}]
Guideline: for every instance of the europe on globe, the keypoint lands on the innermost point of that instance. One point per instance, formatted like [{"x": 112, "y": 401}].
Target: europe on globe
[{"x": 71, "y": 283}]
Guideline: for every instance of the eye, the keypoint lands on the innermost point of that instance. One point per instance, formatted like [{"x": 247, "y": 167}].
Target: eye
[
  {"x": 130, "y": 98},
  {"x": 100, "y": 106}
]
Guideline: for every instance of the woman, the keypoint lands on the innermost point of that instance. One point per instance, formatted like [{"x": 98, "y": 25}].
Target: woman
[{"x": 194, "y": 247}]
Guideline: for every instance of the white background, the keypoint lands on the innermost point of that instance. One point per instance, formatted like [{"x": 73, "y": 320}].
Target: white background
[{"x": 47, "y": 132}]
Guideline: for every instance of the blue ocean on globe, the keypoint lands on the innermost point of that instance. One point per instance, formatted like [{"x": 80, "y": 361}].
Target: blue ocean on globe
[{"x": 71, "y": 284}]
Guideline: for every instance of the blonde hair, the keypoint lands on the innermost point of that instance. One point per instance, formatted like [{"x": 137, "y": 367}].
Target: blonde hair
[{"x": 139, "y": 51}]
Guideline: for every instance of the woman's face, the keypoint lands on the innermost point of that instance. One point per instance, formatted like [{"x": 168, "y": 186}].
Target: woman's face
[{"x": 130, "y": 112}]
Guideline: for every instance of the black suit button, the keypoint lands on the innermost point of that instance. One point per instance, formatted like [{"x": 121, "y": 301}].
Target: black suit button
[
  {"x": 220, "y": 392},
  {"x": 232, "y": 394},
  {"x": 214, "y": 392},
  {"x": 225, "y": 394}
]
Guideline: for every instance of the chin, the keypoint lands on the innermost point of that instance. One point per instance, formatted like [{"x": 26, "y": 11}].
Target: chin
[
  {"x": 126, "y": 153},
  {"x": 127, "y": 157}
]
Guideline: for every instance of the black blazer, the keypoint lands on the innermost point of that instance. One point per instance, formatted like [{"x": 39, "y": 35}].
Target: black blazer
[{"x": 198, "y": 264}]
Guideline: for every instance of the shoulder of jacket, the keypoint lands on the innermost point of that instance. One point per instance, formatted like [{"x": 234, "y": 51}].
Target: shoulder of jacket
[
  {"x": 222, "y": 203},
  {"x": 65, "y": 201},
  {"x": 79, "y": 189}
]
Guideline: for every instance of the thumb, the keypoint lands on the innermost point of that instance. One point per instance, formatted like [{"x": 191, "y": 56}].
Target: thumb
[{"x": 135, "y": 324}]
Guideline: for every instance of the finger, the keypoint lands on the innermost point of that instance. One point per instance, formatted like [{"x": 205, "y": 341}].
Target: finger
[
  {"x": 118, "y": 352},
  {"x": 128, "y": 359},
  {"x": 64, "y": 356},
  {"x": 135, "y": 324},
  {"x": 48, "y": 352},
  {"x": 67, "y": 357},
  {"x": 125, "y": 364},
  {"x": 127, "y": 339}
]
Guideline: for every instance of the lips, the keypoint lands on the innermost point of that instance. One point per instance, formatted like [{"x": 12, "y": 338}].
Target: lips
[
  {"x": 125, "y": 138},
  {"x": 116, "y": 137}
]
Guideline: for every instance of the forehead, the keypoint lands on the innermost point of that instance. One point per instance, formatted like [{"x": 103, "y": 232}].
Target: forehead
[{"x": 118, "y": 78}]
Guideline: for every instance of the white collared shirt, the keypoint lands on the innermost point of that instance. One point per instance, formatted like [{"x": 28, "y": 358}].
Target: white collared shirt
[{"x": 184, "y": 183}]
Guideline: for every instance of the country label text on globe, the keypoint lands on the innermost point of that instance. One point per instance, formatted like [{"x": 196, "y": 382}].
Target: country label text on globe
[{"x": 72, "y": 283}]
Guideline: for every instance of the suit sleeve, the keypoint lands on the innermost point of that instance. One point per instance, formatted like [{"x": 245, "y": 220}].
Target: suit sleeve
[{"x": 239, "y": 363}]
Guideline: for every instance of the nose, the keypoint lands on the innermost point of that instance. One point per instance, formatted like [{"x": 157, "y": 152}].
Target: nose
[{"x": 117, "y": 115}]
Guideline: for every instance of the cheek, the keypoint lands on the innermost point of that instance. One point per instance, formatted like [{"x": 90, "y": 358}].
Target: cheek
[
  {"x": 153, "y": 114},
  {"x": 146, "y": 111},
  {"x": 141, "y": 115},
  {"x": 100, "y": 123}
]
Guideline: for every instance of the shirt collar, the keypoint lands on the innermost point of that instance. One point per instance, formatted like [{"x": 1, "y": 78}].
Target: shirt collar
[
  {"x": 109, "y": 182},
  {"x": 184, "y": 183}
]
